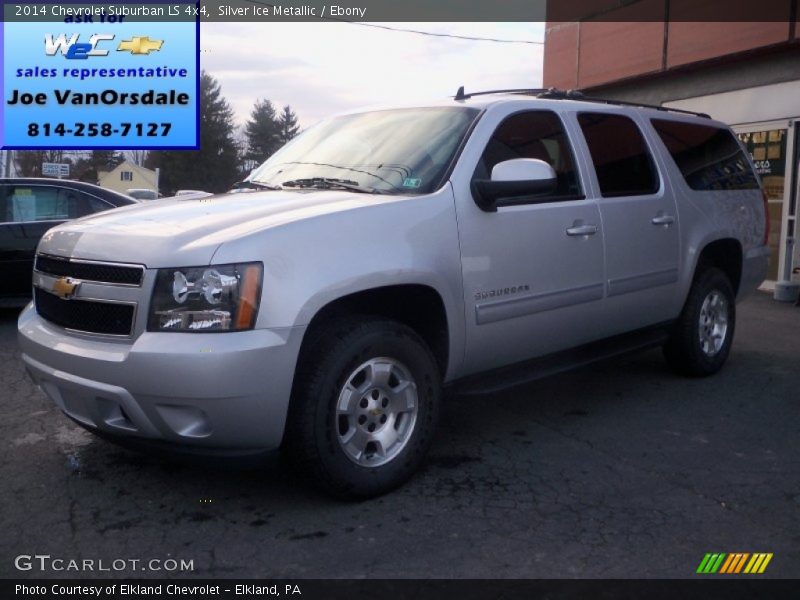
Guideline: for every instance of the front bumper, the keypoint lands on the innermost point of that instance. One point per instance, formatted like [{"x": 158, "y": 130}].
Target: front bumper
[{"x": 214, "y": 391}]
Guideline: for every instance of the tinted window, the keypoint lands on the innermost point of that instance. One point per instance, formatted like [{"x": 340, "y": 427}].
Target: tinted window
[
  {"x": 88, "y": 205},
  {"x": 46, "y": 203},
  {"x": 623, "y": 164},
  {"x": 533, "y": 134},
  {"x": 709, "y": 158}
]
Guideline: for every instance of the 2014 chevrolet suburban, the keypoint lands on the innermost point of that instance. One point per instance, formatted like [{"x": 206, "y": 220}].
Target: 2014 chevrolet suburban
[{"x": 382, "y": 256}]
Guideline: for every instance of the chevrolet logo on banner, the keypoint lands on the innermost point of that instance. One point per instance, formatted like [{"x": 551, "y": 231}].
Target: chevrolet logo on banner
[
  {"x": 140, "y": 45},
  {"x": 65, "y": 288}
]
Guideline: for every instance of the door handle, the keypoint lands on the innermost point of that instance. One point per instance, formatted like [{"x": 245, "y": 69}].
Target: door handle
[
  {"x": 582, "y": 230},
  {"x": 663, "y": 220}
]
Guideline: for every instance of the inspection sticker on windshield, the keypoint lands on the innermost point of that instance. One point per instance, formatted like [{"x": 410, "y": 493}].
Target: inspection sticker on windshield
[
  {"x": 100, "y": 75},
  {"x": 412, "y": 182}
]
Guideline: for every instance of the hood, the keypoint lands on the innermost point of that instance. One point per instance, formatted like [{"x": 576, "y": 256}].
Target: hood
[{"x": 181, "y": 232}]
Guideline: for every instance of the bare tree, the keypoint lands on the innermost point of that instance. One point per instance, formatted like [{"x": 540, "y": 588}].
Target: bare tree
[{"x": 137, "y": 157}]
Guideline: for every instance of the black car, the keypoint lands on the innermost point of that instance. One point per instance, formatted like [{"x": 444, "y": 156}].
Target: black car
[{"x": 31, "y": 206}]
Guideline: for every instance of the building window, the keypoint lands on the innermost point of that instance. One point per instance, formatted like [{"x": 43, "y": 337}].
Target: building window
[{"x": 126, "y": 175}]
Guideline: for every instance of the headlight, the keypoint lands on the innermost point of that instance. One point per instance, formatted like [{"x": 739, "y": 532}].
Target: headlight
[{"x": 215, "y": 298}]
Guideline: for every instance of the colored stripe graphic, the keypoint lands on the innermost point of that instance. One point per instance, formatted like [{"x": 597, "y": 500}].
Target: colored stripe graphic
[
  {"x": 734, "y": 563},
  {"x": 710, "y": 563},
  {"x": 727, "y": 564},
  {"x": 758, "y": 563},
  {"x": 740, "y": 564},
  {"x": 703, "y": 563}
]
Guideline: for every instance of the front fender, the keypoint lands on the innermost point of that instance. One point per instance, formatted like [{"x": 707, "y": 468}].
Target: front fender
[{"x": 399, "y": 240}]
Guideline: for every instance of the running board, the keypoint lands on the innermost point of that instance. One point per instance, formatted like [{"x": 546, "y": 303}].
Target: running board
[{"x": 503, "y": 378}]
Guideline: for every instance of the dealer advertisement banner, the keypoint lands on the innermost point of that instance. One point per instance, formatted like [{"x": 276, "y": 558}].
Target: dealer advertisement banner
[{"x": 100, "y": 75}]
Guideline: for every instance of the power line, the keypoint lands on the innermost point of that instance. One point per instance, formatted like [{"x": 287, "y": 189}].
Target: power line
[
  {"x": 417, "y": 31},
  {"x": 444, "y": 35}
]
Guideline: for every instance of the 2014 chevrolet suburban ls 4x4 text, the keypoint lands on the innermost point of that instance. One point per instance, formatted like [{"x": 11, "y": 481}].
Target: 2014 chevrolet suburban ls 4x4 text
[{"x": 383, "y": 255}]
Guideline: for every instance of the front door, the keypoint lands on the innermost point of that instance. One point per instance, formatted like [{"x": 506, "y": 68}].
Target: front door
[{"x": 532, "y": 272}]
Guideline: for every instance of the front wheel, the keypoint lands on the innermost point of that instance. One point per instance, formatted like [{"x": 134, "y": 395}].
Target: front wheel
[
  {"x": 702, "y": 337},
  {"x": 364, "y": 406}
]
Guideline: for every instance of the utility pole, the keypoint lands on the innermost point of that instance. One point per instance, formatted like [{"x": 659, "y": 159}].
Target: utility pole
[{"x": 9, "y": 158}]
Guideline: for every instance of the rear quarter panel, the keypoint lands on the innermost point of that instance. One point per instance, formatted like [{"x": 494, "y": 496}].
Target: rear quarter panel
[{"x": 707, "y": 216}]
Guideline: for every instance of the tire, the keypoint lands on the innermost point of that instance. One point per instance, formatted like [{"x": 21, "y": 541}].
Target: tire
[
  {"x": 702, "y": 337},
  {"x": 364, "y": 407}
]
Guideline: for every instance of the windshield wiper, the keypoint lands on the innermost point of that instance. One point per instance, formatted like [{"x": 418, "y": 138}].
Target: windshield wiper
[
  {"x": 364, "y": 171},
  {"x": 258, "y": 185},
  {"x": 327, "y": 183}
]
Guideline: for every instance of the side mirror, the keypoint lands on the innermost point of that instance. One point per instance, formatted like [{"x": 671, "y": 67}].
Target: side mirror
[{"x": 512, "y": 180}]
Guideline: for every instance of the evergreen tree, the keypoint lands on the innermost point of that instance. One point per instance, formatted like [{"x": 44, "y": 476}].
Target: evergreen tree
[
  {"x": 213, "y": 168},
  {"x": 287, "y": 125},
  {"x": 262, "y": 132},
  {"x": 88, "y": 168}
]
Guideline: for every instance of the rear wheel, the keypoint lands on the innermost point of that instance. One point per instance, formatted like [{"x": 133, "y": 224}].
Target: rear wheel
[
  {"x": 364, "y": 406},
  {"x": 702, "y": 338}
]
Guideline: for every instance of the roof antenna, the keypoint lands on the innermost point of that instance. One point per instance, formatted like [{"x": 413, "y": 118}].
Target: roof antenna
[{"x": 460, "y": 95}]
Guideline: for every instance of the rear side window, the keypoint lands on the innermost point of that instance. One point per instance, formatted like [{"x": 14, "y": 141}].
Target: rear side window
[
  {"x": 25, "y": 204},
  {"x": 621, "y": 159},
  {"x": 709, "y": 157}
]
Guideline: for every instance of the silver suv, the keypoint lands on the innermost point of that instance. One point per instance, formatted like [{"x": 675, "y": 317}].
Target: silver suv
[{"x": 384, "y": 256}]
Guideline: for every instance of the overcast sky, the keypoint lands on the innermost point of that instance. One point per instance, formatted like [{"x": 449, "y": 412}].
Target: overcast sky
[{"x": 323, "y": 68}]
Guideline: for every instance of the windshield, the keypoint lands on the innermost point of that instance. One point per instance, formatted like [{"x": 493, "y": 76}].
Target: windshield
[{"x": 403, "y": 151}]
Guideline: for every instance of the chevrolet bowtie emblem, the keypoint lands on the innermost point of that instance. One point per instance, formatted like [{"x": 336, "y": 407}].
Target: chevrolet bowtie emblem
[
  {"x": 140, "y": 45},
  {"x": 65, "y": 287}
]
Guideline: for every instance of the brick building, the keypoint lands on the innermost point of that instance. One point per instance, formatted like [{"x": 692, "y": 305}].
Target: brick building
[{"x": 744, "y": 72}]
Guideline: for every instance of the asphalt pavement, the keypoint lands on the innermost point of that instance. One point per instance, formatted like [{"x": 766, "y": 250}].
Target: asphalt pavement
[{"x": 620, "y": 469}]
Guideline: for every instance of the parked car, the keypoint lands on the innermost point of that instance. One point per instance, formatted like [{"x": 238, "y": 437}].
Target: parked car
[
  {"x": 142, "y": 194},
  {"x": 382, "y": 256},
  {"x": 28, "y": 208},
  {"x": 193, "y": 193},
  {"x": 188, "y": 195}
]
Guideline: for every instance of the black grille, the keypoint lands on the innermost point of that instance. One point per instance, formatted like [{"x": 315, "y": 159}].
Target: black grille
[
  {"x": 83, "y": 315},
  {"x": 89, "y": 271}
]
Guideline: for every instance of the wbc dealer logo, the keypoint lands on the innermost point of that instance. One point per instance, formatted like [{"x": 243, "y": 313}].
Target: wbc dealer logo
[{"x": 73, "y": 49}]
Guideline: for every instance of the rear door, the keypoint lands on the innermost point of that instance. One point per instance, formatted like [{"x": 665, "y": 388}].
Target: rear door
[{"x": 640, "y": 221}]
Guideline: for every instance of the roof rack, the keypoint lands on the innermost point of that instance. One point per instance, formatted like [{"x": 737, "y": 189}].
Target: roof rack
[
  {"x": 557, "y": 94},
  {"x": 461, "y": 95}
]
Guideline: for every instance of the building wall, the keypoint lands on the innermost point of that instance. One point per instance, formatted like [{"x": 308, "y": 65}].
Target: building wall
[
  {"x": 712, "y": 77},
  {"x": 610, "y": 43},
  {"x": 141, "y": 178}
]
